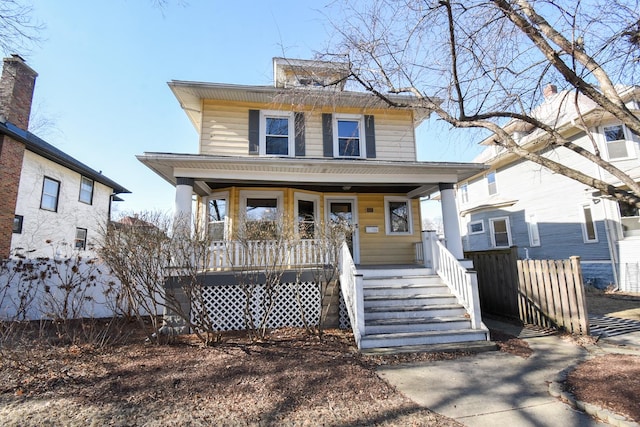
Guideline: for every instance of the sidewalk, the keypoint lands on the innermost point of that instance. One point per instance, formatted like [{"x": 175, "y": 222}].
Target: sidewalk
[{"x": 495, "y": 389}]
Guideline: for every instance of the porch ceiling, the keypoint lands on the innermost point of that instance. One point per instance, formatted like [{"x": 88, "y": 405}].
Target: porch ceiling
[{"x": 414, "y": 178}]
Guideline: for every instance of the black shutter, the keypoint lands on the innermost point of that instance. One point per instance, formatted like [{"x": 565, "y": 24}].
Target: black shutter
[
  {"x": 327, "y": 135},
  {"x": 254, "y": 131},
  {"x": 370, "y": 136},
  {"x": 299, "y": 130}
]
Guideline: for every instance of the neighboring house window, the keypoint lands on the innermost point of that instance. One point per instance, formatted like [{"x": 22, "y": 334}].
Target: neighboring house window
[
  {"x": 50, "y": 193},
  {"x": 464, "y": 193},
  {"x": 589, "y": 232},
  {"x": 217, "y": 217},
  {"x": 476, "y": 227},
  {"x": 532, "y": 227},
  {"x": 397, "y": 215},
  {"x": 491, "y": 183},
  {"x": 500, "y": 233},
  {"x": 306, "y": 214},
  {"x": 86, "y": 190},
  {"x": 81, "y": 239},
  {"x": 276, "y": 133},
  {"x": 348, "y": 132},
  {"x": 261, "y": 213},
  {"x": 17, "y": 224},
  {"x": 616, "y": 142}
]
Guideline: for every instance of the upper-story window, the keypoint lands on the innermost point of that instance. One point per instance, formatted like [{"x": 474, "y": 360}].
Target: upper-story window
[
  {"x": 491, "y": 183},
  {"x": 617, "y": 142},
  {"x": 86, "y": 190},
  {"x": 276, "y": 133},
  {"x": 348, "y": 136},
  {"x": 50, "y": 193},
  {"x": 464, "y": 193}
]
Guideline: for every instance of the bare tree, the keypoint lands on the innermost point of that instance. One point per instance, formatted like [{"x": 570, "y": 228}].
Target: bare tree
[
  {"x": 483, "y": 64},
  {"x": 18, "y": 29}
]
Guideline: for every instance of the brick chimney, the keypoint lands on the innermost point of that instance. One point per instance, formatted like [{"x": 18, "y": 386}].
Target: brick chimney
[
  {"x": 16, "y": 94},
  {"x": 549, "y": 90}
]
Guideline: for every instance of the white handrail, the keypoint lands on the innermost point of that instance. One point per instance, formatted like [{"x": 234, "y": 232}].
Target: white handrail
[{"x": 351, "y": 287}]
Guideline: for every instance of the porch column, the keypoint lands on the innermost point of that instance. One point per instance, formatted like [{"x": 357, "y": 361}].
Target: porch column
[
  {"x": 182, "y": 212},
  {"x": 450, "y": 220}
]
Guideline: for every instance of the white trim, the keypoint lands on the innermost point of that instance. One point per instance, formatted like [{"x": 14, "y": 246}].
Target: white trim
[
  {"x": 356, "y": 234},
  {"x": 218, "y": 196},
  {"x": 583, "y": 223},
  {"x": 532, "y": 229},
  {"x": 361, "y": 130},
  {"x": 387, "y": 218},
  {"x": 493, "y": 231},
  {"x": 470, "y": 224},
  {"x": 316, "y": 208},
  {"x": 264, "y": 114}
]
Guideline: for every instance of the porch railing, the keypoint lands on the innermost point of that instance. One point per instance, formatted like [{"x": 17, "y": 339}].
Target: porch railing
[
  {"x": 462, "y": 282},
  {"x": 230, "y": 254},
  {"x": 351, "y": 284}
]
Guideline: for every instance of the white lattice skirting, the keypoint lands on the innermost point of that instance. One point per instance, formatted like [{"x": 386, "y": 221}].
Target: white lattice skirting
[{"x": 225, "y": 305}]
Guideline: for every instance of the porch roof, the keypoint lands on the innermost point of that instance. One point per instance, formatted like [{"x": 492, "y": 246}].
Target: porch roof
[{"x": 416, "y": 179}]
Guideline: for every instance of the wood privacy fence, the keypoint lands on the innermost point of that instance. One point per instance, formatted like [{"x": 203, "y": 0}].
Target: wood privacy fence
[{"x": 540, "y": 292}]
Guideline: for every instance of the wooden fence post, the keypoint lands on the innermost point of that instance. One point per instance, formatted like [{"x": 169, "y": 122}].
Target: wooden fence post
[{"x": 576, "y": 271}]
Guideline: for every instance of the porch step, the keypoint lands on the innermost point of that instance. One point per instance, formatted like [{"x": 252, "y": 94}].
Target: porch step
[
  {"x": 394, "y": 312},
  {"x": 422, "y": 338},
  {"x": 408, "y": 300},
  {"x": 417, "y": 324},
  {"x": 392, "y": 281},
  {"x": 467, "y": 346},
  {"x": 394, "y": 271}
]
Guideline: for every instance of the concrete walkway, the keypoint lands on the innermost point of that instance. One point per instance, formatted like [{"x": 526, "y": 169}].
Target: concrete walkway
[{"x": 495, "y": 388}]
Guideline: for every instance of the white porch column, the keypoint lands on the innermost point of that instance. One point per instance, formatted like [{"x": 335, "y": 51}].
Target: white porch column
[
  {"x": 450, "y": 220},
  {"x": 182, "y": 213}
]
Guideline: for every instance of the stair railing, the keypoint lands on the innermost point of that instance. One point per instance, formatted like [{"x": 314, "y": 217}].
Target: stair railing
[
  {"x": 462, "y": 281},
  {"x": 351, "y": 284}
]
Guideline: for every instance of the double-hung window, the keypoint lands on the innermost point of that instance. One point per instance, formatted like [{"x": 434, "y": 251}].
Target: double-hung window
[
  {"x": 589, "y": 230},
  {"x": 81, "y": 239},
  {"x": 348, "y": 136},
  {"x": 500, "y": 232},
  {"x": 463, "y": 191},
  {"x": 306, "y": 214},
  {"x": 50, "y": 194},
  {"x": 217, "y": 216},
  {"x": 276, "y": 133},
  {"x": 86, "y": 190},
  {"x": 397, "y": 215},
  {"x": 491, "y": 183},
  {"x": 617, "y": 142}
]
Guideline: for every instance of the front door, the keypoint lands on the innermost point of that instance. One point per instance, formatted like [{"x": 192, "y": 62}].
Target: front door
[{"x": 345, "y": 209}]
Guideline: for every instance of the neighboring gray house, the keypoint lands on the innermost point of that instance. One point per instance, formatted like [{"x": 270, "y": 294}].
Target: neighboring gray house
[{"x": 549, "y": 216}]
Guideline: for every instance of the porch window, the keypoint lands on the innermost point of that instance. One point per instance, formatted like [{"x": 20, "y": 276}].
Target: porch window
[
  {"x": 348, "y": 134},
  {"x": 261, "y": 214},
  {"x": 276, "y": 136},
  {"x": 616, "y": 142},
  {"x": 589, "y": 231},
  {"x": 500, "y": 232},
  {"x": 398, "y": 215},
  {"x": 306, "y": 214},
  {"x": 217, "y": 217}
]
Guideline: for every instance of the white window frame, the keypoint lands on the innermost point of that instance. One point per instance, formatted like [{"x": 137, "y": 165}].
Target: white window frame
[
  {"x": 489, "y": 183},
  {"x": 316, "y": 209},
  {"x": 532, "y": 229},
  {"x": 493, "y": 231},
  {"x": 55, "y": 198},
  {"x": 276, "y": 114},
  {"x": 628, "y": 140},
  {"x": 361, "y": 130},
  {"x": 225, "y": 223},
  {"x": 93, "y": 183},
  {"x": 82, "y": 239},
  {"x": 583, "y": 217},
  {"x": 255, "y": 194},
  {"x": 481, "y": 222},
  {"x": 387, "y": 216},
  {"x": 464, "y": 192}
]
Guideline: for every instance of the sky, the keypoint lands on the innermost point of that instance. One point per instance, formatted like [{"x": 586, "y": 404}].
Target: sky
[{"x": 104, "y": 65}]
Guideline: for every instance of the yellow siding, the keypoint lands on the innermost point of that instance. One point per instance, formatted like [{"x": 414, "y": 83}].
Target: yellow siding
[{"x": 225, "y": 130}]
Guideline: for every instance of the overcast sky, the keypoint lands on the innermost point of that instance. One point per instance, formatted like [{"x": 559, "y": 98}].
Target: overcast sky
[{"x": 103, "y": 67}]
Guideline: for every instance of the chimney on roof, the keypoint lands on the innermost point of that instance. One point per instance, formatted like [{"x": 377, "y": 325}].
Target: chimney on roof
[
  {"x": 549, "y": 90},
  {"x": 16, "y": 91}
]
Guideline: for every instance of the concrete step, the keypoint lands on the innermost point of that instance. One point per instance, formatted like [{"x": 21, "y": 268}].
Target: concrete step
[
  {"x": 422, "y": 338},
  {"x": 401, "y": 289},
  {"x": 417, "y": 324},
  {"x": 466, "y": 346},
  {"x": 408, "y": 300},
  {"x": 394, "y": 312},
  {"x": 401, "y": 280}
]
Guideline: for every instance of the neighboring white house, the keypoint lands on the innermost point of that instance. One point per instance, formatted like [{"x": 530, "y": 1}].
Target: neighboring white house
[{"x": 549, "y": 216}]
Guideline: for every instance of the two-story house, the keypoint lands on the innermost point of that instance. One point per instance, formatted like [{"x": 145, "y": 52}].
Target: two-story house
[
  {"x": 549, "y": 216},
  {"x": 48, "y": 198},
  {"x": 309, "y": 151}
]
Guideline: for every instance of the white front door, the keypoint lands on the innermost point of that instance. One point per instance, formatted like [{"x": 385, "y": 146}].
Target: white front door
[{"x": 346, "y": 209}]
